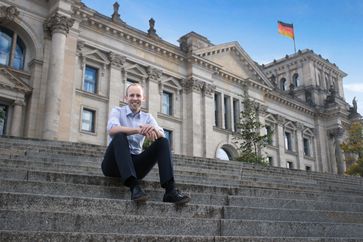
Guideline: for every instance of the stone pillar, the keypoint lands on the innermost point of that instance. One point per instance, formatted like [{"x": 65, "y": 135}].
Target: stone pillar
[
  {"x": 193, "y": 117},
  {"x": 208, "y": 119},
  {"x": 154, "y": 76},
  {"x": 337, "y": 135},
  {"x": 300, "y": 145},
  {"x": 280, "y": 141},
  {"x": 17, "y": 120},
  {"x": 58, "y": 26}
]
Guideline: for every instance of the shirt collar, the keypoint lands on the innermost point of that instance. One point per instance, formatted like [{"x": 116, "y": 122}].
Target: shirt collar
[{"x": 130, "y": 113}]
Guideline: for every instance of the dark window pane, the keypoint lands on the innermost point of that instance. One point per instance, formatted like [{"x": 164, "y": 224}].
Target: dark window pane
[
  {"x": 167, "y": 107},
  {"x": 5, "y": 45},
  {"x": 90, "y": 79},
  {"x": 88, "y": 120},
  {"x": 18, "y": 62}
]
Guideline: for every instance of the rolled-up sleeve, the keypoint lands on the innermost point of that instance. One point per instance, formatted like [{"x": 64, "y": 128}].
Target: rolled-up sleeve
[
  {"x": 113, "y": 119},
  {"x": 151, "y": 120}
]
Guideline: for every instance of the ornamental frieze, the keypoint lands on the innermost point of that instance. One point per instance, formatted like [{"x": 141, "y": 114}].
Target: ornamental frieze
[
  {"x": 58, "y": 23},
  {"x": 8, "y": 13}
]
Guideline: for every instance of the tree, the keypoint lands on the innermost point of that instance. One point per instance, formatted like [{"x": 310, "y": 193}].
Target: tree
[
  {"x": 353, "y": 149},
  {"x": 248, "y": 136}
]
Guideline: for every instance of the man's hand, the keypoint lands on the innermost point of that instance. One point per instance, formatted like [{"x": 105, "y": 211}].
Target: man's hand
[{"x": 150, "y": 132}]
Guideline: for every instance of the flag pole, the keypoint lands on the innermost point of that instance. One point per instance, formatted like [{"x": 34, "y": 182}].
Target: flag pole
[{"x": 294, "y": 45}]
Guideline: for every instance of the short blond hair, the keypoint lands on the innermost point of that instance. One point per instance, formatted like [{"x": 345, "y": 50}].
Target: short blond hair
[{"x": 134, "y": 85}]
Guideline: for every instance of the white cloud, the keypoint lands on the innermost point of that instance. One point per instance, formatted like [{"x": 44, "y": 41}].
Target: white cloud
[{"x": 356, "y": 87}]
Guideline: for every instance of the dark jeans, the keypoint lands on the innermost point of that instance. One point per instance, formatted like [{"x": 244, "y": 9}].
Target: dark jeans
[{"x": 119, "y": 162}]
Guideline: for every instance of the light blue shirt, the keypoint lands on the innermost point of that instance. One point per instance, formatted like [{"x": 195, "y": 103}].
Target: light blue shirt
[{"x": 123, "y": 116}]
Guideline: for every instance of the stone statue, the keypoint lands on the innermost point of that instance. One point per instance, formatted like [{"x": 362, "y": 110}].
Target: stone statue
[
  {"x": 332, "y": 93},
  {"x": 152, "y": 32},
  {"x": 116, "y": 16},
  {"x": 355, "y": 107}
]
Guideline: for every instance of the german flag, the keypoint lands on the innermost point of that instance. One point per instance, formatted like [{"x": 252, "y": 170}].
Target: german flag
[{"x": 286, "y": 29}]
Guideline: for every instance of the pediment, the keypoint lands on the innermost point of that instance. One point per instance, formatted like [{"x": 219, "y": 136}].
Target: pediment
[
  {"x": 171, "y": 82},
  {"x": 96, "y": 55},
  {"x": 308, "y": 132},
  {"x": 11, "y": 82},
  {"x": 235, "y": 60},
  {"x": 136, "y": 70}
]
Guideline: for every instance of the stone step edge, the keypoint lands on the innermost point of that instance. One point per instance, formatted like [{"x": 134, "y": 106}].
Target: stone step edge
[
  {"x": 176, "y": 238},
  {"x": 167, "y": 204}
]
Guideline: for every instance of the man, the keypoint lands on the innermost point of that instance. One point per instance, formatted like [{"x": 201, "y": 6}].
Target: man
[{"x": 128, "y": 127}]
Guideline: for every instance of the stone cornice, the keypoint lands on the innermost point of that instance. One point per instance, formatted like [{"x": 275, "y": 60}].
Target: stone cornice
[
  {"x": 124, "y": 32},
  {"x": 92, "y": 95},
  {"x": 290, "y": 102}
]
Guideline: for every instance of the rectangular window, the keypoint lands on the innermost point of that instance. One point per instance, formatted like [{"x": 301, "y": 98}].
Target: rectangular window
[
  {"x": 90, "y": 79},
  {"x": 227, "y": 111},
  {"x": 306, "y": 147},
  {"x": 169, "y": 136},
  {"x": 288, "y": 141},
  {"x": 270, "y": 161},
  {"x": 167, "y": 107},
  {"x": 269, "y": 135},
  {"x": 290, "y": 165},
  {"x": 88, "y": 120},
  {"x": 307, "y": 168},
  {"x": 236, "y": 114},
  {"x": 217, "y": 101}
]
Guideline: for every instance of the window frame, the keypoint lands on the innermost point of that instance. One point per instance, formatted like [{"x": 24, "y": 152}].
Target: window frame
[
  {"x": 96, "y": 80},
  {"x": 170, "y": 108},
  {"x": 94, "y": 112},
  {"x": 15, "y": 41}
]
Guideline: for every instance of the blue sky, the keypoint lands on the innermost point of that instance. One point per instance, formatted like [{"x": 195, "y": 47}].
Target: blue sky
[{"x": 332, "y": 28}]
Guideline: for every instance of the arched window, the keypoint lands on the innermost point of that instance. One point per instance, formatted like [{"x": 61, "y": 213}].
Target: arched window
[
  {"x": 12, "y": 49},
  {"x": 283, "y": 84},
  {"x": 295, "y": 80},
  {"x": 223, "y": 154}
]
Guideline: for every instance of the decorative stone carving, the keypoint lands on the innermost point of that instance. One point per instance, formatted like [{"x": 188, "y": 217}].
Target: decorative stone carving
[
  {"x": 280, "y": 120},
  {"x": 8, "y": 13},
  {"x": 209, "y": 89},
  {"x": 154, "y": 73},
  {"x": 192, "y": 84},
  {"x": 299, "y": 126},
  {"x": 336, "y": 133},
  {"x": 58, "y": 23},
  {"x": 116, "y": 59},
  {"x": 80, "y": 45},
  {"x": 116, "y": 16},
  {"x": 19, "y": 102},
  {"x": 151, "y": 31}
]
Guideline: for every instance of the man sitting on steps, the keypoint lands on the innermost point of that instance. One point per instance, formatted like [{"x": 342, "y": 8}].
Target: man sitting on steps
[{"x": 128, "y": 127}]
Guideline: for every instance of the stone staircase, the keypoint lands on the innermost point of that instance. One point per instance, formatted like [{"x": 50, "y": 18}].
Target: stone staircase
[{"x": 55, "y": 191}]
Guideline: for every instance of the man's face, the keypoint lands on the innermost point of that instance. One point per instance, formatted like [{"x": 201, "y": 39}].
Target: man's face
[{"x": 134, "y": 98}]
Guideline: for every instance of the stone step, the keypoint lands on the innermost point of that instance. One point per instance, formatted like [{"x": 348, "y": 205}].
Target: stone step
[
  {"x": 124, "y": 224},
  {"x": 72, "y": 222},
  {"x": 25, "y": 236},
  {"x": 104, "y": 206},
  {"x": 243, "y": 201}
]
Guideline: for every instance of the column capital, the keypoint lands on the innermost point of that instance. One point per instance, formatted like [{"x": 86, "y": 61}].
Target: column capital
[
  {"x": 336, "y": 132},
  {"x": 116, "y": 60},
  {"x": 280, "y": 120},
  {"x": 209, "y": 89},
  {"x": 154, "y": 74},
  {"x": 192, "y": 84},
  {"x": 261, "y": 109},
  {"x": 58, "y": 23},
  {"x": 8, "y": 13},
  {"x": 299, "y": 126},
  {"x": 19, "y": 103}
]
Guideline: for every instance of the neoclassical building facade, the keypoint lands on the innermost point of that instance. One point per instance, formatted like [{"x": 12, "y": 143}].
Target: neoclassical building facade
[{"x": 63, "y": 66}]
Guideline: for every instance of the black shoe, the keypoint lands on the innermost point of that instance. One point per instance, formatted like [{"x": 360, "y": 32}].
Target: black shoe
[
  {"x": 138, "y": 195},
  {"x": 176, "y": 197}
]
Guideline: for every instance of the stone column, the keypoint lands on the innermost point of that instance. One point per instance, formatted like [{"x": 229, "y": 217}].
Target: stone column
[
  {"x": 17, "y": 120},
  {"x": 153, "y": 90},
  {"x": 337, "y": 135},
  {"x": 58, "y": 26},
  {"x": 193, "y": 117},
  {"x": 280, "y": 140},
  {"x": 300, "y": 145},
  {"x": 208, "y": 119}
]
